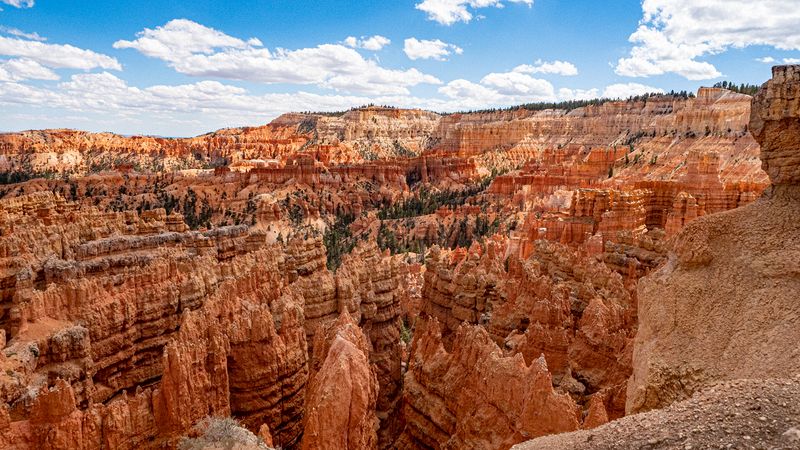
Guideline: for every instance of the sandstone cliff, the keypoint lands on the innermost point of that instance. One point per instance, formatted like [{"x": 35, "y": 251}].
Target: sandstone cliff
[
  {"x": 474, "y": 397},
  {"x": 156, "y": 291},
  {"x": 570, "y": 310},
  {"x": 724, "y": 305},
  {"x": 118, "y": 332},
  {"x": 340, "y": 406}
]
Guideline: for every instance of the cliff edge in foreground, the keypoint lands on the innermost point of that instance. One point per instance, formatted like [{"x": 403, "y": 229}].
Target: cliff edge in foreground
[
  {"x": 725, "y": 305},
  {"x": 718, "y": 322}
]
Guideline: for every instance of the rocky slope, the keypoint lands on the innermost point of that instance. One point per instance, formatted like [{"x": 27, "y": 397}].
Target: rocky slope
[
  {"x": 716, "y": 120},
  {"x": 733, "y": 414},
  {"x": 743, "y": 325},
  {"x": 342, "y": 378},
  {"x": 566, "y": 315},
  {"x": 474, "y": 397}
]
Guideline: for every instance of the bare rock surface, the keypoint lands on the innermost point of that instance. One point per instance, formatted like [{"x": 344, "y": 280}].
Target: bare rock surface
[
  {"x": 741, "y": 414},
  {"x": 724, "y": 306}
]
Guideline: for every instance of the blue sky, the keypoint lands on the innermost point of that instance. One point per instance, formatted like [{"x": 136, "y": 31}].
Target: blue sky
[{"x": 183, "y": 68}]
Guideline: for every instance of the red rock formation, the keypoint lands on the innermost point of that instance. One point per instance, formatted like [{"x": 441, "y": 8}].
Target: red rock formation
[
  {"x": 774, "y": 123},
  {"x": 724, "y": 306},
  {"x": 474, "y": 397},
  {"x": 126, "y": 329},
  {"x": 571, "y": 310},
  {"x": 343, "y": 390},
  {"x": 196, "y": 324}
]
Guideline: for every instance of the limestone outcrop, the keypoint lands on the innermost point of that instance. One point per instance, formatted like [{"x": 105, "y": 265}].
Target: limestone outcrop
[
  {"x": 391, "y": 278},
  {"x": 724, "y": 305},
  {"x": 741, "y": 413}
]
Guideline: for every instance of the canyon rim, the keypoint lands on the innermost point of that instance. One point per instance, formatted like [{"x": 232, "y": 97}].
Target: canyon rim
[{"x": 398, "y": 242}]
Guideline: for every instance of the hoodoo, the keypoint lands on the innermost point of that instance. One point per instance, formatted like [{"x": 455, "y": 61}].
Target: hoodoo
[
  {"x": 715, "y": 361},
  {"x": 744, "y": 324},
  {"x": 526, "y": 263}
]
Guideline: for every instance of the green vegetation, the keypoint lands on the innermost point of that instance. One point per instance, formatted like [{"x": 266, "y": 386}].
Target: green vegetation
[
  {"x": 405, "y": 332},
  {"x": 401, "y": 151},
  {"x": 743, "y": 88},
  {"x": 21, "y": 176},
  {"x": 569, "y": 105},
  {"x": 339, "y": 240},
  {"x": 462, "y": 234},
  {"x": 427, "y": 202},
  {"x": 194, "y": 217}
]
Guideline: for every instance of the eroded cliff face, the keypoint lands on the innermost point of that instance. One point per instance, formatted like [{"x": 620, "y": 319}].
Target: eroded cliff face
[
  {"x": 475, "y": 397},
  {"x": 507, "y": 311},
  {"x": 124, "y": 334},
  {"x": 356, "y": 136},
  {"x": 340, "y": 407},
  {"x": 566, "y": 313},
  {"x": 716, "y": 120},
  {"x": 724, "y": 305}
]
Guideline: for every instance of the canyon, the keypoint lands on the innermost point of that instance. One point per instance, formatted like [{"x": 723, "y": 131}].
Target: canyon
[{"x": 388, "y": 278}]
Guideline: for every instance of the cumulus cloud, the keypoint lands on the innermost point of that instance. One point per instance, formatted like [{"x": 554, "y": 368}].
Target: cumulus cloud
[
  {"x": 563, "y": 68},
  {"x": 429, "y": 49},
  {"x": 19, "y": 33},
  {"x": 175, "y": 109},
  {"x": 196, "y": 50},
  {"x": 19, "y": 3},
  {"x": 103, "y": 99},
  {"x": 56, "y": 56},
  {"x": 674, "y": 34},
  {"x": 516, "y": 83},
  {"x": 24, "y": 69},
  {"x": 625, "y": 90},
  {"x": 578, "y": 94},
  {"x": 373, "y": 43},
  {"x": 448, "y": 12},
  {"x": 181, "y": 38},
  {"x": 771, "y": 60},
  {"x": 497, "y": 89}
]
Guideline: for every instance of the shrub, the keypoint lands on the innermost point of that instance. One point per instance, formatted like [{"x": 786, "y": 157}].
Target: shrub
[{"x": 221, "y": 433}]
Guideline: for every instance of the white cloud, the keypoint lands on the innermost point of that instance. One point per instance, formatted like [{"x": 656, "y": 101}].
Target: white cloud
[
  {"x": 25, "y": 69},
  {"x": 373, "y": 43},
  {"x": 181, "y": 38},
  {"x": 578, "y": 94},
  {"x": 106, "y": 101},
  {"x": 169, "y": 110},
  {"x": 429, "y": 49},
  {"x": 516, "y": 83},
  {"x": 563, "y": 68},
  {"x": 19, "y": 33},
  {"x": 19, "y": 3},
  {"x": 448, "y": 12},
  {"x": 497, "y": 89},
  {"x": 196, "y": 50},
  {"x": 771, "y": 60},
  {"x": 625, "y": 90},
  {"x": 674, "y": 34},
  {"x": 56, "y": 56}
]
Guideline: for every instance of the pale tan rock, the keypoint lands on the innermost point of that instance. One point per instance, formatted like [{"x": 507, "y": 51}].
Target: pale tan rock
[{"x": 724, "y": 305}]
